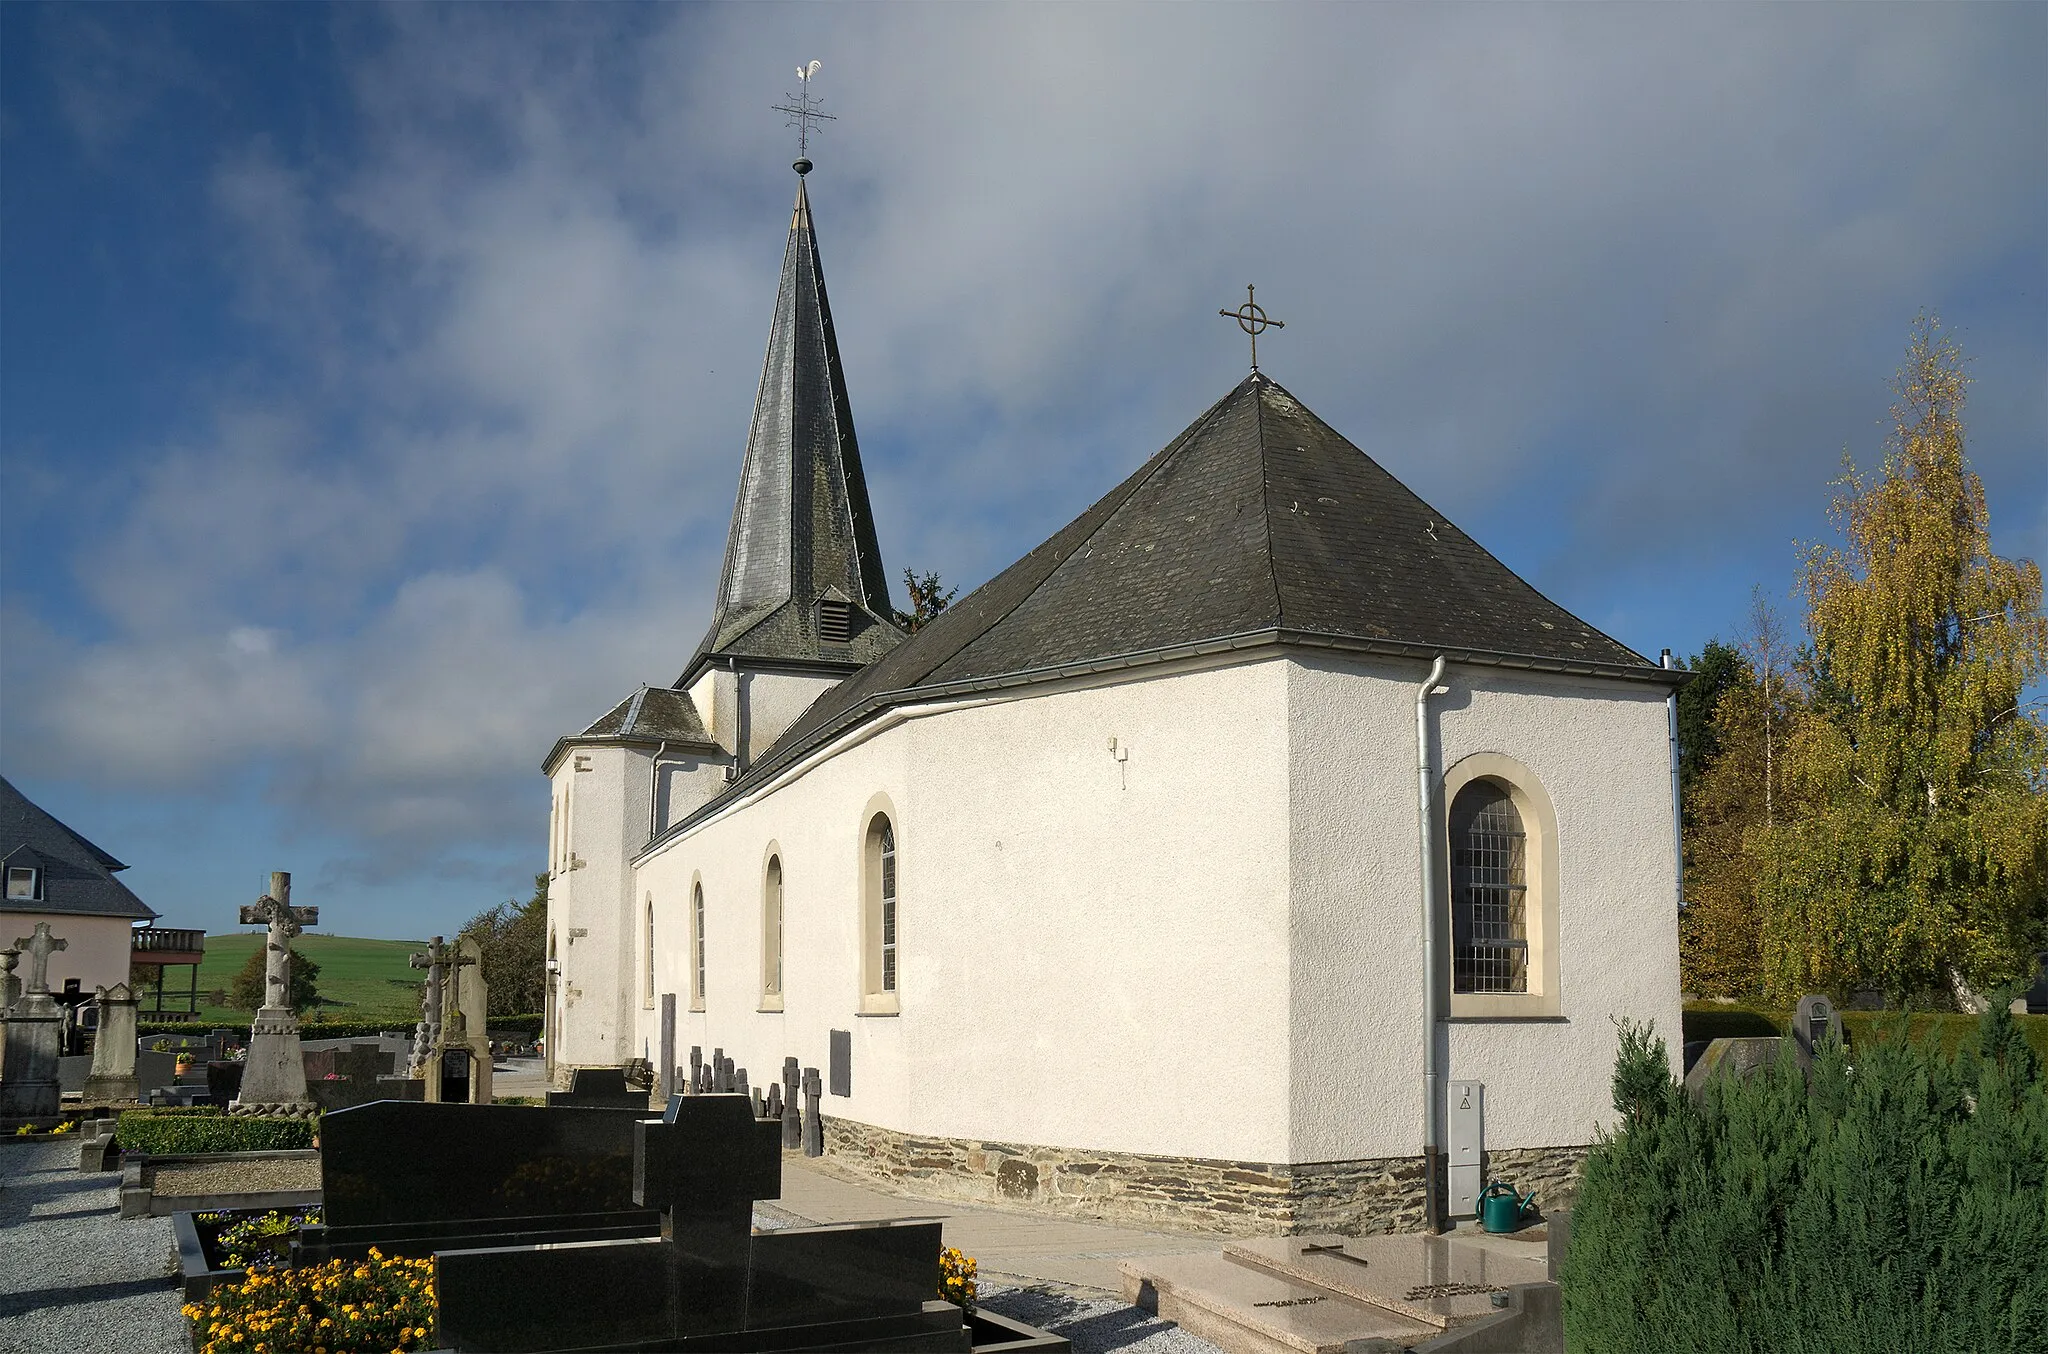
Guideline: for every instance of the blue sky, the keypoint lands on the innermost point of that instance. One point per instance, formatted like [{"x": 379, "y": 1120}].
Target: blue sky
[{"x": 373, "y": 382}]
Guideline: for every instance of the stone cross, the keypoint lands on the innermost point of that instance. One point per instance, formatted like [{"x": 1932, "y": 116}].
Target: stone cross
[
  {"x": 274, "y": 910},
  {"x": 814, "y": 1127},
  {"x": 429, "y": 1033},
  {"x": 454, "y": 1025},
  {"x": 39, "y": 946},
  {"x": 792, "y": 1110}
]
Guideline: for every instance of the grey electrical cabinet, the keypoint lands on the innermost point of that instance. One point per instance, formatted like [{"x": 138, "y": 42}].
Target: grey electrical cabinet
[{"x": 1467, "y": 1134}]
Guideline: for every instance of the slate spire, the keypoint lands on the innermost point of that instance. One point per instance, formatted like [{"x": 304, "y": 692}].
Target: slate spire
[{"x": 803, "y": 583}]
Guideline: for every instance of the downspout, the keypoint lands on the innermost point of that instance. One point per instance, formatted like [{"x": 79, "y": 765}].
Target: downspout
[
  {"x": 1425, "y": 805},
  {"x": 1677, "y": 818},
  {"x": 654, "y": 788}
]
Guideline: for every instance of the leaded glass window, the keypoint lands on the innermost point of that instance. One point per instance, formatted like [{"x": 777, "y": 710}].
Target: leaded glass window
[
  {"x": 888, "y": 908},
  {"x": 1489, "y": 892}
]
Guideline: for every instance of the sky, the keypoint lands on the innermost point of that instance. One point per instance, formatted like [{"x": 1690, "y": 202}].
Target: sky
[{"x": 374, "y": 381}]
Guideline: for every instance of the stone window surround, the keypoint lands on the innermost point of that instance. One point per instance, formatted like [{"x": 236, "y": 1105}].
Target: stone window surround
[
  {"x": 697, "y": 974},
  {"x": 1539, "y": 822},
  {"x": 873, "y": 1000},
  {"x": 772, "y": 916},
  {"x": 647, "y": 996}
]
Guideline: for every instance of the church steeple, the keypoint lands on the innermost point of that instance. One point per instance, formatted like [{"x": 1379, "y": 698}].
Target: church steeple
[{"x": 803, "y": 584}]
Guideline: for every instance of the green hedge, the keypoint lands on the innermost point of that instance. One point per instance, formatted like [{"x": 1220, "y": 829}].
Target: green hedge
[
  {"x": 1951, "y": 1033},
  {"x": 1896, "y": 1202},
  {"x": 178, "y": 1131},
  {"x": 529, "y": 1025}
]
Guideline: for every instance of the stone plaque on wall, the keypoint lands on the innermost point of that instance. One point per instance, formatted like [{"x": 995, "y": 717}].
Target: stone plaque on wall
[{"x": 841, "y": 1065}]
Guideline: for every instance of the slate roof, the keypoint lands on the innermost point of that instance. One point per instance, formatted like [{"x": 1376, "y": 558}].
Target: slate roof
[
  {"x": 1260, "y": 523},
  {"x": 78, "y": 877},
  {"x": 653, "y": 714},
  {"x": 801, "y": 525}
]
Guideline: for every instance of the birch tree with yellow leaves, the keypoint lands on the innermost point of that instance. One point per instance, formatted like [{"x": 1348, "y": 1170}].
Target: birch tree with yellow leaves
[{"x": 1909, "y": 849}]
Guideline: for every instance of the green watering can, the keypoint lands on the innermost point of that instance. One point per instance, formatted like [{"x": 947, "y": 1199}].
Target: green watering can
[{"x": 1501, "y": 1209}]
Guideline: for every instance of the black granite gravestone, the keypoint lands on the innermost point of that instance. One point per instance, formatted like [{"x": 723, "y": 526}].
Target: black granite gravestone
[
  {"x": 599, "y": 1088},
  {"x": 709, "y": 1282},
  {"x": 412, "y": 1177}
]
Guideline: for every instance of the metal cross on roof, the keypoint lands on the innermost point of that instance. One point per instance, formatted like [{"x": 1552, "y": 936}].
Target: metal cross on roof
[
  {"x": 803, "y": 111},
  {"x": 1252, "y": 318}
]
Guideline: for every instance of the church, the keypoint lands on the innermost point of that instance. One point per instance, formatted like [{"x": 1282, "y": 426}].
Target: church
[{"x": 1257, "y": 854}]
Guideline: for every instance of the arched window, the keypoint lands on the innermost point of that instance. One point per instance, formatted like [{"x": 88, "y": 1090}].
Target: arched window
[
  {"x": 1501, "y": 850},
  {"x": 648, "y": 1000},
  {"x": 697, "y": 947},
  {"x": 771, "y": 935},
  {"x": 1489, "y": 892},
  {"x": 879, "y": 947}
]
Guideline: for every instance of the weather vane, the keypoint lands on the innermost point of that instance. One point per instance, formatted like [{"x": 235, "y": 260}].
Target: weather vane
[
  {"x": 803, "y": 111},
  {"x": 1251, "y": 317}
]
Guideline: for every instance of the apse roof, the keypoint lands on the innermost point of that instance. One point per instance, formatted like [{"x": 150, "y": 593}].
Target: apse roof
[
  {"x": 653, "y": 714},
  {"x": 1259, "y": 523}
]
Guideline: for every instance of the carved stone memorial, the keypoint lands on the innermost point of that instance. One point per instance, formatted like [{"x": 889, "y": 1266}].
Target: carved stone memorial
[
  {"x": 35, "y": 1031},
  {"x": 113, "y": 1047},
  {"x": 275, "y": 1082}
]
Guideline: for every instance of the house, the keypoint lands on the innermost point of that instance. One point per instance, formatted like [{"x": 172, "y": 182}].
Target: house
[
  {"x": 1105, "y": 891},
  {"x": 57, "y": 876}
]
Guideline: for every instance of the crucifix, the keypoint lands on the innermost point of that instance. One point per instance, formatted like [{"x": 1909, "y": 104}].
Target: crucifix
[
  {"x": 274, "y": 910},
  {"x": 1252, "y": 318},
  {"x": 430, "y": 1001},
  {"x": 803, "y": 111},
  {"x": 443, "y": 964},
  {"x": 38, "y": 947}
]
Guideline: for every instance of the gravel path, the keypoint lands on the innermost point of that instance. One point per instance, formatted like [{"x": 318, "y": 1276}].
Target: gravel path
[
  {"x": 74, "y": 1277},
  {"x": 237, "y": 1177},
  {"x": 1095, "y": 1322}
]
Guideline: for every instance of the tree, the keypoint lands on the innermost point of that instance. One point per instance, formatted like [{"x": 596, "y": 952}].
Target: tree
[
  {"x": 1914, "y": 854},
  {"x": 928, "y": 597},
  {"x": 514, "y": 939},
  {"x": 1718, "y": 928},
  {"x": 247, "y": 993},
  {"x": 1715, "y": 669}
]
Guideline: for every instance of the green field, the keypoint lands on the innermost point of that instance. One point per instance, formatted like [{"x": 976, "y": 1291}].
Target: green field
[{"x": 359, "y": 979}]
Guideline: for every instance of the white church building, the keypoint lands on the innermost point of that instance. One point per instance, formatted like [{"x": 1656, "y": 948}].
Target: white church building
[{"x": 1105, "y": 891}]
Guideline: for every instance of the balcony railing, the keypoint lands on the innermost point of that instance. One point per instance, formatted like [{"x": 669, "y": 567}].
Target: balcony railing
[{"x": 167, "y": 940}]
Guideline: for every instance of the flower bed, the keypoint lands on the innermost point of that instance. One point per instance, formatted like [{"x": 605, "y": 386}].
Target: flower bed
[{"x": 341, "y": 1307}]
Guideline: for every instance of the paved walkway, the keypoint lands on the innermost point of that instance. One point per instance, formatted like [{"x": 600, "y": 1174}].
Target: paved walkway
[{"x": 1022, "y": 1247}]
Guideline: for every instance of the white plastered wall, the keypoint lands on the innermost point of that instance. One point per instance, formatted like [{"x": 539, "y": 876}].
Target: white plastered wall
[
  {"x": 604, "y": 792},
  {"x": 1601, "y": 750},
  {"x": 1093, "y": 950},
  {"x": 95, "y": 952}
]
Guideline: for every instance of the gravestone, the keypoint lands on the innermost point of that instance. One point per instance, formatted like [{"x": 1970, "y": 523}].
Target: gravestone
[
  {"x": 345, "y": 1074},
  {"x": 427, "y": 1034},
  {"x": 113, "y": 1047},
  {"x": 2037, "y": 995},
  {"x": 1731, "y": 1058},
  {"x": 708, "y": 1281},
  {"x": 410, "y": 1178},
  {"x": 275, "y": 1078},
  {"x": 772, "y": 1107},
  {"x": 34, "y": 1038},
  {"x": 792, "y": 1109},
  {"x": 10, "y": 983},
  {"x": 667, "y": 1085},
  {"x": 599, "y": 1088},
  {"x": 1815, "y": 1023},
  {"x": 696, "y": 1083},
  {"x": 464, "y": 1023},
  {"x": 814, "y": 1126}
]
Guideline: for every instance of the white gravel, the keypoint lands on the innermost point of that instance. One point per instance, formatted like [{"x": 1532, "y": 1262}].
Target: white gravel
[{"x": 75, "y": 1278}]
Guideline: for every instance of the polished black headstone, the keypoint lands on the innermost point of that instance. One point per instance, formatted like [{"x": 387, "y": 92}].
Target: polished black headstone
[
  {"x": 708, "y": 1153},
  {"x": 398, "y": 1162},
  {"x": 599, "y": 1088}
]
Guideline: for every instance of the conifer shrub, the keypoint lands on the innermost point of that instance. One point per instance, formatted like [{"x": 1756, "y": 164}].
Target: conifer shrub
[
  {"x": 169, "y": 1132},
  {"x": 1893, "y": 1203}
]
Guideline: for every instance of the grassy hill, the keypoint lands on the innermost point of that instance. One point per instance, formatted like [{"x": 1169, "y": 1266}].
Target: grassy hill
[{"x": 361, "y": 979}]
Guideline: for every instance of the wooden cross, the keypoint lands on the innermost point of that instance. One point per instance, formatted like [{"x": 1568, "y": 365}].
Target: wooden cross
[{"x": 38, "y": 947}]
